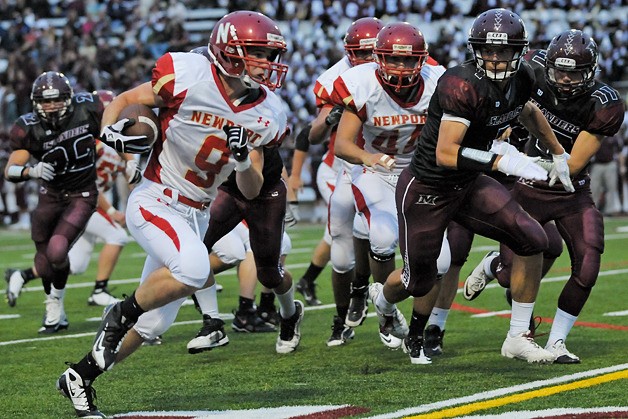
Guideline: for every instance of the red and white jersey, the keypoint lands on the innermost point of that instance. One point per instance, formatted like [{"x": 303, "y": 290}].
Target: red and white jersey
[
  {"x": 389, "y": 126},
  {"x": 193, "y": 156},
  {"x": 108, "y": 165},
  {"x": 323, "y": 88}
]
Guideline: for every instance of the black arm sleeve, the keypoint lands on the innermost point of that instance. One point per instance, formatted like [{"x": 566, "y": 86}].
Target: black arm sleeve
[{"x": 302, "y": 143}]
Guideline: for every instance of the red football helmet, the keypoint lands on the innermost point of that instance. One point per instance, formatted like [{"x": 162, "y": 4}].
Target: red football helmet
[
  {"x": 51, "y": 95},
  {"x": 360, "y": 39},
  {"x": 105, "y": 96},
  {"x": 505, "y": 34},
  {"x": 400, "y": 51},
  {"x": 233, "y": 39},
  {"x": 570, "y": 63}
]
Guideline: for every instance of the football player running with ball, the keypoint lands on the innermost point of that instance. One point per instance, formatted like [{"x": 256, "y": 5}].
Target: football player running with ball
[
  {"x": 473, "y": 105},
  {"x": 214, "y": 117}
]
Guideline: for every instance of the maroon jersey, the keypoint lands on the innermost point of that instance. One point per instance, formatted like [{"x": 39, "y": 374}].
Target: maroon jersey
[
  {"x": 70, "y": 147},
  {"x": 464, "y": 92},
  {"x": 600, "y": 111}
]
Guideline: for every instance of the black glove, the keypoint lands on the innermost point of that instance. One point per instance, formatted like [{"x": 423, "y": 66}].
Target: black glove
[
  {"x": 237, "y": 140},
  {"x": 334, "y": 116}
]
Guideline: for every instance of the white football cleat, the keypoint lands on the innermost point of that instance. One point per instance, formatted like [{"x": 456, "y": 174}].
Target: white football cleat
[
  {"x": 562, "y": 354},
  {"x": 54, "y": 318},
  {"x": 15, "y": 282},
  {"x": 393, "y": 328},
  {"x": 477, "y": 280},
  {"x": 101, "y": 297},
  {"x": 290, "y": 331},
  {"x": 524, "y": 347},
  {"x": 80, "y": 393}
]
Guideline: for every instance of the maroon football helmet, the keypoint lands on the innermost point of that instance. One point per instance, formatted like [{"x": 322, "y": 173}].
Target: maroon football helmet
[
  {"x": 231, "y": 43},
  {"x": 105, "y": 96},
  {"x": 396, "y": 43},
  {"x": 503, "y": 32},
  {"x": 360, "y": 40},
  {"x": 570, "y": 63},
  {"x": 51, "y": 88}
]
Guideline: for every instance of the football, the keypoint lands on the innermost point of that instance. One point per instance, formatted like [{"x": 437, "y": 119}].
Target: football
[{"x": 146, "y": 122}]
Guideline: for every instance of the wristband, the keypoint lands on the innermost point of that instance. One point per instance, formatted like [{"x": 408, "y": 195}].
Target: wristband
[
  {"x": 112, "y": 210},
  {"x": 241, "y": 166},
  {"x": 16, "y": 173},
  {"x": 476, "y": 160}
]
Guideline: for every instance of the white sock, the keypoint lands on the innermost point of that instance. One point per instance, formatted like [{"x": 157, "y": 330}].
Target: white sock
[
  {"x": 57, "y": 293},
  {"x": 563, "y": 322},
  {"x": 208, "y": 301},
  {"x": 520, "y": 318},
  {"x": 438, "y": 317},
  {"x": 487, "y": 266},
  {"x": 384, "y": 306},
  {"x": 286, "y": 303}
]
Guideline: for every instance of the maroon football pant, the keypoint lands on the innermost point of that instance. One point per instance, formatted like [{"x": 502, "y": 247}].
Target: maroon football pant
[
  {"x": 580, "y": 224},
  {"x": 56, "y": 223},
  {"x": 484, "y": 206},
  {"x": 264, "y": 216}
]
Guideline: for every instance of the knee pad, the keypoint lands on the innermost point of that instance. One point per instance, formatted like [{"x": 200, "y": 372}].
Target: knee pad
[
  {"x": 531, "y": 238},
  {"x": 384, "y": 238},
  {"x": 270, "y": 277},
  {"x": 191, "y": 270},
  {"x": 57, "y": 251}
]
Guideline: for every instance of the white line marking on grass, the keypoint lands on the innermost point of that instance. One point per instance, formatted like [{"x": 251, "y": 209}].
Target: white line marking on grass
[
  {"x": 491, "y": 314},
  {"x": 9, "y": 316},
  {"x": 616, "y": 313},
  {"x": 485, "y": 395},
  {"x": 552, "y": 413}
]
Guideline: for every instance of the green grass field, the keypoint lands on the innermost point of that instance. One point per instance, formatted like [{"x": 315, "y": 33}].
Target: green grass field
[{"x": 471, "y": 378}]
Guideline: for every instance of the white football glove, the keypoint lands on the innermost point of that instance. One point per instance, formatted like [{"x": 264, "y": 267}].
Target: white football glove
[
  {"x": 292, "y": 214},
  {"x": 112, "y": 136},
  {"x": 132, "y": 172},
  {"x": 503, "y": 147},
  {"x": 237, "y": 139},
  {"x": 42, "y": 170},
  {"x": 521, "y": 165},
  {"x": 560, "y": 171}
]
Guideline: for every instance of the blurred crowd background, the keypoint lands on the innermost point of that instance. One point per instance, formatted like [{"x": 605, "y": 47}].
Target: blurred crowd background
[{"x": 113, "y": 44}]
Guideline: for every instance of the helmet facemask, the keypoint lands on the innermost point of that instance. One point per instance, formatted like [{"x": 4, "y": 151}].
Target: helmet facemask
[
  {"x": 571, "y": 61},
  {"x": 498, "y": 62},
  {"x": 498, "y": 41},
  {"x": 242, "y": 58},
  {"x": 396, "y": 75},
  {"x": 51, "y": 96}
]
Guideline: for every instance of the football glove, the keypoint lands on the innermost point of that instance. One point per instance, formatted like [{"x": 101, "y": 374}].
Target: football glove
[
  {"x": 237, "y": 139},
  {"x": 292, "y": 214},
  {"x": 521, "y": 165},
  {"x": 560, "y": 171},
  {"x": 42, "y": 170},
  {"x": 132, "y": 172},
  {"x": 334, "y": 116},
  {"x": 503, "y": 147},
  {"x": 135, "y": 144}
]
